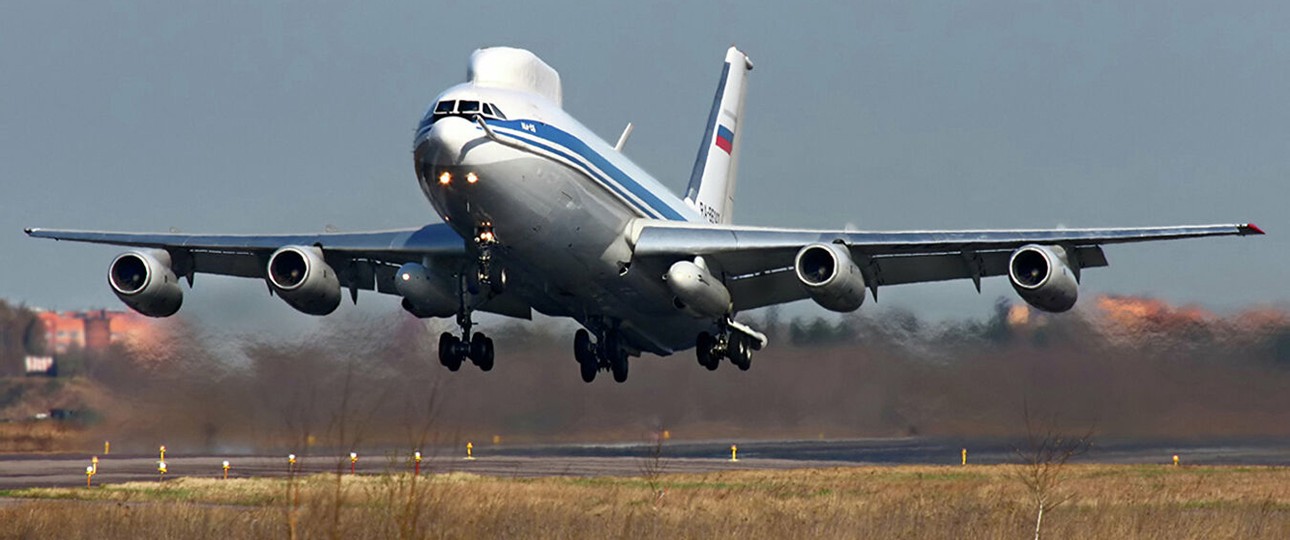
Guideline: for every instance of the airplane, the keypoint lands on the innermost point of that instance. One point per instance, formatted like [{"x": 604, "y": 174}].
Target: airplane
[{"x": 540, "y": 214}]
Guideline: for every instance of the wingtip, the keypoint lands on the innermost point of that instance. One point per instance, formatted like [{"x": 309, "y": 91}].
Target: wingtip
[{"x": 1250, "y": 228}]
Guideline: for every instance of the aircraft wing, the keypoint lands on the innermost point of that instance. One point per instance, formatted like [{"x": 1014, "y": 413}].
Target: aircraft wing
[
  {"x": 758, "y": 262},
  {"x": 362, "y": 260}
]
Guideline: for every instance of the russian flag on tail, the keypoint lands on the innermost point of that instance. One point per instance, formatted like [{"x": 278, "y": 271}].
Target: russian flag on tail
[{"x": 725, "y": 138}]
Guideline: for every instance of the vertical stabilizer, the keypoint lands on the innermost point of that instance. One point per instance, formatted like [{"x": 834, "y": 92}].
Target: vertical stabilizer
[{"x": 712, "y": 184}]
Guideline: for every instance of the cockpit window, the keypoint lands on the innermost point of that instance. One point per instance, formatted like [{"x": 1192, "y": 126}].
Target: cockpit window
[{"x": 464, "y": 108}]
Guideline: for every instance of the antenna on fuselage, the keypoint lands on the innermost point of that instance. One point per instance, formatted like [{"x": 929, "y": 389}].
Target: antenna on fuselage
[{"x": 622, "y": 139}]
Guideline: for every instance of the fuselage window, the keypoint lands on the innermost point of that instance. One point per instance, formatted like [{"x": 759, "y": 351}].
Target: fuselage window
[
  {"x": 498, "y": 113},
  {"x": 467, "y": 107},
  {"x": 488, "y": 110}
]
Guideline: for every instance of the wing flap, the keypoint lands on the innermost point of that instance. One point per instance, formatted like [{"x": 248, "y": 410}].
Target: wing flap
[
  {"x": 433, "y": 239},
  {"x": 757, "y": 262}
]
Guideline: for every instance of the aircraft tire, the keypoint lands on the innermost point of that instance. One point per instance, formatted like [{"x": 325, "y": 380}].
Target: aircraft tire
[
  {"x": 703, "y": 349},
  {"x": 583, "y": 351},
  {"x": 588, "y": 368},
  {"x": 618, "y": 366},
  {"x": 449, "y": 356},
  {"x": 481, "y": 351},
  {"x": 740, "y": 352}
]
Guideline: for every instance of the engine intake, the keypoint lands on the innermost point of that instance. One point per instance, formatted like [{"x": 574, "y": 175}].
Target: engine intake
[
  {"x": 144, "y": 281},
  {"x": 831, "y": 278},
  {"x": 1042, "y": 276},
  {"x": 304, "y": 280}
]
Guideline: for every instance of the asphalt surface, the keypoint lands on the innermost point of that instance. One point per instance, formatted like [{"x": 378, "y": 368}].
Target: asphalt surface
[{"x": 32, "y": 470}]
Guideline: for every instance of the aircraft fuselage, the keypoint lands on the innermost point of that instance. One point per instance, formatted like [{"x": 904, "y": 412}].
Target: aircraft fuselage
[{"x": 561, "y": 206}]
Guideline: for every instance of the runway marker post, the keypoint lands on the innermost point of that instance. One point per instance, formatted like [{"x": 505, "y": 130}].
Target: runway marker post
[
  {"x": 416, "y": 463},
  {"x": 470, "y": 456},
  {"x": 1175, "y": 460},
  {"x": 353, "y": 462},
  {"x": 107, "y": 447},
  {"x": 965, "y": 456},
  {"x": 291, "y": 463},
  {"x": 163, "y": 452},
  {"x": 734, "y": 453},
  {"x": 89, "y": 475},
  {"x": 95, "y": 462},
  {"x": 161, "y": 471},
  {"x": 226, "y": 469}
]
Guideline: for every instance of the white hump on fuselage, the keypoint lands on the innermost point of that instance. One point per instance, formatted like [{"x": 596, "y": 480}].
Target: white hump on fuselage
[{"x": 514, "y": 69}]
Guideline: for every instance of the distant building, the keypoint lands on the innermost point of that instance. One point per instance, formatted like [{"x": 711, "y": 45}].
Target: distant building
[
  {"x": 92, "y": 330},
  {"x": 40, "y": 365}
]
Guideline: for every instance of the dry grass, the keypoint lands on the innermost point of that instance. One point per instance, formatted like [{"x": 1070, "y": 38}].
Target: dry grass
[
  {"x": 1108, "y": 501},
  {"x": 44, "y": 436}
]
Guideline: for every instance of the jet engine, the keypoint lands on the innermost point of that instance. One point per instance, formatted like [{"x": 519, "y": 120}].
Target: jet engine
[
  {"x": 423, "y": 295},
  {"x": 831, "y": 278},
  {"x": 697, "y": 290},
  {"x": 304, "y": 280},
  {"x": 144, "y": 281},
  {"x": 1043, "y": 277}
]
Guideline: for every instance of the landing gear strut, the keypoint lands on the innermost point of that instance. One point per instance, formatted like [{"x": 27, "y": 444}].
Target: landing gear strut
[
  {"x": 488, "y": 275},
  {"x": 734, "y": 341},
  {"x": 453, "y": 350},
  {"x": 605, "y": 353}
]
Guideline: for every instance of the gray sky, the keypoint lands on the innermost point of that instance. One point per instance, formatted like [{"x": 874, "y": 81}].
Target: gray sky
[{"x": 210, "y": 117}]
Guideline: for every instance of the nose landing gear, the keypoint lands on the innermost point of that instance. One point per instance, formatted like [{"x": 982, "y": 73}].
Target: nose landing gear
[{"x": 485, "y": 276}]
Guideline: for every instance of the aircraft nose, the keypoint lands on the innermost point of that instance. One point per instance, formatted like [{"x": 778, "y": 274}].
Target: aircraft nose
[{"x": 443, "y": 144}]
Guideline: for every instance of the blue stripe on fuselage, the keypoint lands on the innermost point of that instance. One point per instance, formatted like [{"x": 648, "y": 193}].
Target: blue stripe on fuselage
[{"x": 655, "y": 207}]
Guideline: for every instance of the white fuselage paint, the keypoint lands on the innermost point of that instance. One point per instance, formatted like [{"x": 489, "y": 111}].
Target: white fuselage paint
[{"x": 561, "y": 205}]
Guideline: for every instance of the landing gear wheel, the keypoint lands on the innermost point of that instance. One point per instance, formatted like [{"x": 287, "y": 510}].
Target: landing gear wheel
[
  {"x": 740, "y": 352},
  {"x": 618, "y": 365},
  {"x": 703, "y": 349},
  {"x": 481, "y": 351},
  {"x": 588, "y": 370},
  {"x": 583, "y": 350},
  {"x": 448, "y": 355}
]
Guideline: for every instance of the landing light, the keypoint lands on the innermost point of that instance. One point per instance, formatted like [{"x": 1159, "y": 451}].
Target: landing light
[
  {"x": 407, "y": 276},
  {"x": 445, "y": 178},
  {"x": 471, "y": 177}
]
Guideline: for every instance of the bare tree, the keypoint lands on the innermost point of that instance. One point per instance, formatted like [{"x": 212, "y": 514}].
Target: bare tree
[
  {"x": 1043, "y": 462},
  {"x": 652, "y": 466}
]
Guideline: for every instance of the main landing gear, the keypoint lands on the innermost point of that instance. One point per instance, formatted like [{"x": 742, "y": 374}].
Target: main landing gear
[
  {"x": 605, "y": 353},
  {"x": 733, "y": 340},
  {"x": 486, "y": 276}
]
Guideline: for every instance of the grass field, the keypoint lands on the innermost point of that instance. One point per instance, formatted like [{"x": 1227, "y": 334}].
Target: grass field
[{"x": 1105, "y": 501}]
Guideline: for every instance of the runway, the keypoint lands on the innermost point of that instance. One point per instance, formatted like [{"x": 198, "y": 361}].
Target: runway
[{"x": 19, "y": 471}]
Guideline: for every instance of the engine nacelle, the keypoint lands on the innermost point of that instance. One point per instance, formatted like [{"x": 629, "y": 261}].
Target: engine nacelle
[
  {"x": 1043, "y": 277},
  {"x": 831, "y": 278},
  {"x": 423, "y": 295},
  {"x": 697, "y": 290},
  {"x": 304, "y": 280},
  {"x": 144, "y": 281}
]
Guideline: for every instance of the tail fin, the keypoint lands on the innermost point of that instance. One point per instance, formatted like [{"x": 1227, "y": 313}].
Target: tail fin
[{"x": 712, "y": 184}]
